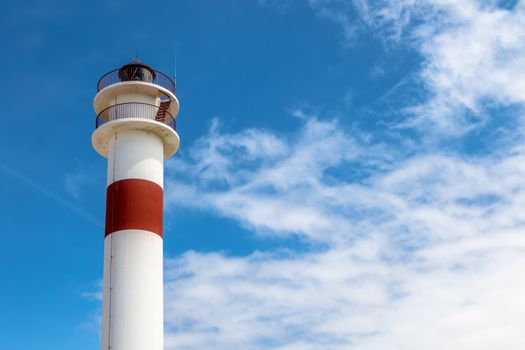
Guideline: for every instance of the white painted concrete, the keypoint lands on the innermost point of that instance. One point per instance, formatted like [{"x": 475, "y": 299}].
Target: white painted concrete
[
  {"x": 135, "y": 154},
  {"x": 103, "y": 134},
  {"x": 132, "y": 308},
  {"x": 107, "y": 96},
  {"x": 137, "y": 98}
]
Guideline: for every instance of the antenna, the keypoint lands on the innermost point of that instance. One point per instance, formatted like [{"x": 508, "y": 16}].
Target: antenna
[{"x": 175, "y": 63}]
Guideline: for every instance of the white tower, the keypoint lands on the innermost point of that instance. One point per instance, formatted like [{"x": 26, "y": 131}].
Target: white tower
[{"x": 136, "y": 108}]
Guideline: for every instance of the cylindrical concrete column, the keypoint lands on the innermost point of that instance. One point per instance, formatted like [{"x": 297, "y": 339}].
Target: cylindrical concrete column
[{"x": 132, "y": 288}]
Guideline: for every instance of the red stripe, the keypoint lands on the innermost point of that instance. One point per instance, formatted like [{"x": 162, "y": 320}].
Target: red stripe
[{"x": 134, "y": 204}]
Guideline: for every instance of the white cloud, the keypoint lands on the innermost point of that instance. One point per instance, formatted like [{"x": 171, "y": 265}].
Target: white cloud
[
  {"x": 339, "y": 299},
  {"x": 473, "y": 54},
  {"x": 273, "y": 184},
  {"x": 409, "y": 248},
  {"x": 474, "y": 57},
  {"x": 76, "y": 181},
  {"x": 337, "y": 11},
  {"x": 423, "y": 253}
]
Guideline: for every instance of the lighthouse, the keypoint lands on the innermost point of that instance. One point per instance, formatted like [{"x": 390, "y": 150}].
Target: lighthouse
[{"x": 135, "y": 130}]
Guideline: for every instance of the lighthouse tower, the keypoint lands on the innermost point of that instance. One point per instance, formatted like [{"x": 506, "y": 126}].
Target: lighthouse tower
[{"x": 136, "y": 108}]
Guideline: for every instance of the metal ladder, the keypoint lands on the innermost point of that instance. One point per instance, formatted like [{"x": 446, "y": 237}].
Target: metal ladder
[{"x": 163, "y": 110}]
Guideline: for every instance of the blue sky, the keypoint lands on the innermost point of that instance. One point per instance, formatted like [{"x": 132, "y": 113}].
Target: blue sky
[{"x": 350, "y": 174}]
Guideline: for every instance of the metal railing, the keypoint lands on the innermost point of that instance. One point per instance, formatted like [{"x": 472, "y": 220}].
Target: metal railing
[
  {"x": 119, "y": 75},
  {"x": 136, "y": 110}
]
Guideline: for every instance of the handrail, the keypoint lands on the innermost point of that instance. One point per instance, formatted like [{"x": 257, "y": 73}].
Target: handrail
[
  {"x": 135, "y": 110},
  {"x": 158, "y": 78}
]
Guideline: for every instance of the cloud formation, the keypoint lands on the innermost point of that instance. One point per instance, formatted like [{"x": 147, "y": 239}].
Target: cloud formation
[
  {"x": 472, "y": 55},
  {"x": 409, "y": 254},
  {"x": 409, "y": 248}
]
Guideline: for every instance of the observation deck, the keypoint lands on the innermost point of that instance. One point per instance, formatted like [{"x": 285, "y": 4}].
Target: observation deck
[
  {"x": 136, "y": 71},
  {"x": 136, "y": 96}
]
